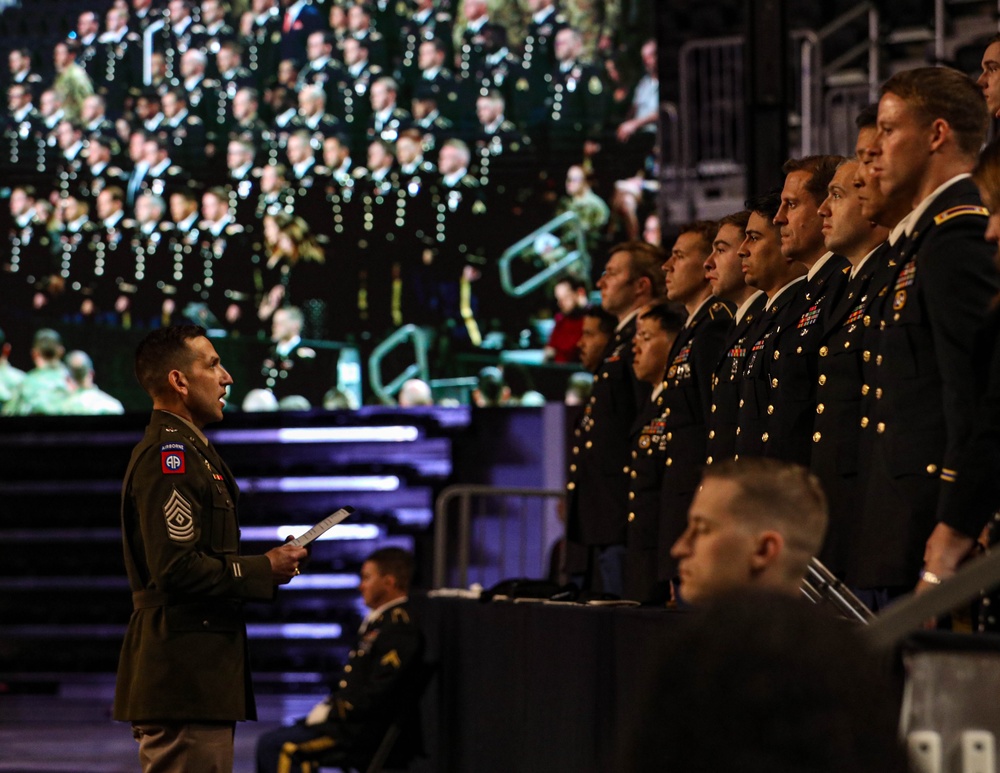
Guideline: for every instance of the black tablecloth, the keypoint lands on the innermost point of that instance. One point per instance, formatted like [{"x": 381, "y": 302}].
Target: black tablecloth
[{"x": 527, "y": 687}]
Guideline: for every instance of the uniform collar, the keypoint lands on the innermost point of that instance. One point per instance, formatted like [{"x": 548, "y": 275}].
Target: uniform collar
[
  {"x": 745, "y": 306},
  {"x": 815, "y": 268},
  {"x": 772, "y": 301},
  {"x": 923, "y": 206},
  {"x": 375, "y": 614}
]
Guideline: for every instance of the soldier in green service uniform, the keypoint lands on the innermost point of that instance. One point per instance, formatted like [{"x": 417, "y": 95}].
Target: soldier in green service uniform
[
  {"x": 85, "y": 397},
  {"x": 10, "y": 377},
  {"x": 184, "y": 674},
  {"x": 43, "y": 388}
]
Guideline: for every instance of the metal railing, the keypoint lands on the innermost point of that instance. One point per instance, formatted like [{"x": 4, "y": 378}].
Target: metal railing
[
  {"x": 512, "y": 542},
  {"x": 568, "y": 250}
]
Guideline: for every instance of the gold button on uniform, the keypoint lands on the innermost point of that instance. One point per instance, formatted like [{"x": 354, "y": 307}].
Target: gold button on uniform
[
  {"x": 631, "y": 517},
  {"x": 866, "y": 356},
  {"x": 711, "y": 434},
  {"x": 880, "y": 427},
  {"x": 823, "y": 351},
  {"x": 764, "y": 437},
  {"x": 822, "y": 379},
  {"x": 864, "y": 421},
  {"x": 633, "y": 474},
  {"x": 820, "y": 408},
  {"x": 774, "y": 383},
  {"x": 708, "y": 460},
  {"x": 776, "y": 355},
  {"x": 817, "y": 436},
  {"x": 571, "y": 485},
  {"x": 572, "y": 468},
  {"x": 932, "y": 468},
  {"x": 626, "y": 468},
  {"x": 770, "y": 410},
  {"x": 865, "y": 389},
  {"x": 741, "y": 403},
  {"x": 713, "y": 407},
  {"x": 589, "y": 444},
  {"x": 878, "y": 393},
  {"x": 631, "y": 495},
  {"x": 878, "y": 360},
  {"x": 669, "y": 461}
]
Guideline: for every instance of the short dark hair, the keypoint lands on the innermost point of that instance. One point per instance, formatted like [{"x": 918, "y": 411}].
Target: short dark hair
[
  {"x": 670, "y": 316},
  {"x": 645, "y": 260},
  {"x": 765, "y": 204},
  {"x": 161, "y": 351},
  {"x": 48, "y": 343},
  {"x": 738, "y": 219},
  {"x": 394, "y": 562},
  {"x": 941, "y": 92},
  {"x": 706, "y": 229},
  {"x": 821, "y": 169},
  {"x": 608, "y": 322},
  {"x": 868, "y": 117}
]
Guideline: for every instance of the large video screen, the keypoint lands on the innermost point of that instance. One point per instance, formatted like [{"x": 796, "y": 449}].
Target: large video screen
[{"x": 317, "y": 184}]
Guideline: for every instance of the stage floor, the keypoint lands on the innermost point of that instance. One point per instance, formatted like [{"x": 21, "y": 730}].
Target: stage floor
[{"x": 48, "y": 734}]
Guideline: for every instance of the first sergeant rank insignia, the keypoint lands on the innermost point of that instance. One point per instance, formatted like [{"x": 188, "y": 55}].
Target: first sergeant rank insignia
[{"x": 172, "y": 458}]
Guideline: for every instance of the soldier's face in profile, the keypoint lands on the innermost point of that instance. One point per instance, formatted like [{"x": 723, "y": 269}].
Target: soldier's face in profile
[
  {"x": 901, "y": 149},
  {"x": 715, "y": 553},
  {"x": 205, "y": 384},
  {"x": 685, "y": 268},
  {"x": 798, "y": 218},
  {"x": 760, "y": 253},
  {"x": 723, "y": 267},
  {"x": 845, "y": 228},
  {"x": 650, "y": 347},
  {"x": 593, "y": 341}
]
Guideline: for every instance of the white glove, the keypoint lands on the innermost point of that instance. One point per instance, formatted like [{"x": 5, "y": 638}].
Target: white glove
[{"x": 318, "y": 714}]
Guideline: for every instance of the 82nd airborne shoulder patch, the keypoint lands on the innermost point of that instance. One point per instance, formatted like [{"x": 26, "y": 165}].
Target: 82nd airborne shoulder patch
[{"x": 172, "y": 458}]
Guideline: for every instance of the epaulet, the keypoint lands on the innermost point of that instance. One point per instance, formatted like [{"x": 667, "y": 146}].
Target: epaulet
[
  {"x": 720, "y": 310},
  {"x": 399, "y": 615},
  {"x": 234, "y": 228},
  {"x": 306, "y": 353},
  {"x": 962, "y": 209}
]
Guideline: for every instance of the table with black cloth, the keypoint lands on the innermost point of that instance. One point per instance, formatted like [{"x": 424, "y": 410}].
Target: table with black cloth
[{"x": 536, "y": 687}]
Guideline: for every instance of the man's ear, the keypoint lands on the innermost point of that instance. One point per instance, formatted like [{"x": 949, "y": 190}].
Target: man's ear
[
  {"x": 768, "y": 549},
  {"x": 177, "y": 381}
]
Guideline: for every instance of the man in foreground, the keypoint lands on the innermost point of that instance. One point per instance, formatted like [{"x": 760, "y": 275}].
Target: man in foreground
[{"x": 756, "y": 522}]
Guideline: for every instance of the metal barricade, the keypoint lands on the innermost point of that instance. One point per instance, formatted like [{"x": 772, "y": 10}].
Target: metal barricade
[{"x": 501, "y": 540}]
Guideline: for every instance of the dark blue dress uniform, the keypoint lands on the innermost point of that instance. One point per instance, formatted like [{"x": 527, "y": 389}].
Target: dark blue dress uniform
[
  {"x": 723, "y": 410},
  {"x": 755, "y": 385},
  {"x": 184, "y": 658},
  {"x": 597, "y": 487},
  {"x": 687, "y": 402},
  {"x": 382, "y": 674},
  {"x": 839, "y": 381},
  {"x": 921, "y": 403},
  {"x": 791, "y": 357}
]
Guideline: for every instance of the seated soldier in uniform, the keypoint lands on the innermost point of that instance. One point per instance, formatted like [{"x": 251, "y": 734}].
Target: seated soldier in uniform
[
  {"x": 753, "y": 522},
  {"x": 378, "y": 681}
]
